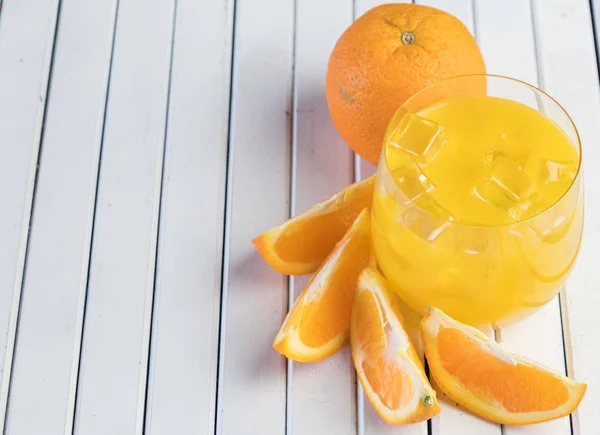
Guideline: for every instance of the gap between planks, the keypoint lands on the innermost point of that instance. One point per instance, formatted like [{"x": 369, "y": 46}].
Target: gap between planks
[
  {"x": 293, "y": 127},
  {"x": 147, "y": 348},
  {"x": 227, "y": 213}
]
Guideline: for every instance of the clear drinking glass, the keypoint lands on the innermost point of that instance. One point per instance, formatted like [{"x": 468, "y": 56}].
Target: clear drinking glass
[{"x": 476, "y": 273}]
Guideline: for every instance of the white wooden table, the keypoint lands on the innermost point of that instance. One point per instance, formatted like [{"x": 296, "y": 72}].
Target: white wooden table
[{"x": 144, "y": 143}]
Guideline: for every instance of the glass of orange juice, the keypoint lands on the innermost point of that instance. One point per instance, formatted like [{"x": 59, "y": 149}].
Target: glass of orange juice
[{"x": 478, "y": 204}]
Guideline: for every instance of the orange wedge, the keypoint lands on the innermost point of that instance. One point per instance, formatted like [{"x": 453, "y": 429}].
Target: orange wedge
[
  {"x": 386, "y": 363},
  {"x": 477, "y": 373},
  {"x": 317, "y": 326},
  {"x": 300, "y": 245}
]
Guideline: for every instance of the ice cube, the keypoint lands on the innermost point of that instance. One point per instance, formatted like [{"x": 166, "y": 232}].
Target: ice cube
[
  {"x": 415, "y": 137},
  {"x": 549, "y": 222},
  {"x": 552, "y": 171},
  {"x": 426, "y": 218},
  {"x": 491, "y": 156},
  {"x": 556, "y": 226},
  {"x": 552, "y": 225},
  {"x": 476, "y": 241},
  {"x": 546, "y": 200},
  {"x": 530, "y": 206},
  {"x": 504, "y": 183},
  {"x": 411, "y": 180}
]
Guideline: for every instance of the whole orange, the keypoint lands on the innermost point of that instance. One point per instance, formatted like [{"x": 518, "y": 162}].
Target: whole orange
[{"x": 384, "y": 57}]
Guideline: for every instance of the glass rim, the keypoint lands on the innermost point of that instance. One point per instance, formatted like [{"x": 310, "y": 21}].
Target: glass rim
[{"x": 510, "y": 79}]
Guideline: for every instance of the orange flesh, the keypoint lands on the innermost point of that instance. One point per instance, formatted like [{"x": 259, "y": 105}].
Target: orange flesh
[
  {"x": 381, "y": 364},
  {"x": 517, "y": 388},
  {"x": 321, "y": 233},
  {"x": 328, "y": 315}
]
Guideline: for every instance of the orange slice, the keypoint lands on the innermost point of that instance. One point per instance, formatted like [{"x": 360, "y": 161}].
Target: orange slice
[
  {"x": 386, "y": 363},
  {"x": 301, "y": 244},
  {"x": 477, "y": 373},
  {"x": 317, "y": 326}
]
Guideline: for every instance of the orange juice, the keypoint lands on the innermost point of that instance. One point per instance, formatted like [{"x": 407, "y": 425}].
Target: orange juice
[{"x": 474, "y": 210}]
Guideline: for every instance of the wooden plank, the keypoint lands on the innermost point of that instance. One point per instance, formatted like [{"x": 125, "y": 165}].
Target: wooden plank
[
  {"x": 506, "y": 37},
  {"x": 569, "y": 73},
  {"x": 364, "y": 169},
  {"x": 461, "y": 9},
  {"x": 369, "y": 422},
  {"x": 182, "y": 384},
  {"x": 112, "y": 382},
  {"x": 27, "y": 30},
  {"x": 322, "y": 396},
  {"x": 372, "y": 423},
  {"x": 455, "y": 419},
  {"x": 510, "y": 52},
  {"x": 42, "y": 394},
  {"x": 252, "y": 376}
]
